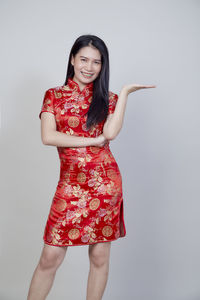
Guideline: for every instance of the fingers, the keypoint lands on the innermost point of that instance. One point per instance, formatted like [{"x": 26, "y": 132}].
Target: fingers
[{"x": 146, "y": 86}]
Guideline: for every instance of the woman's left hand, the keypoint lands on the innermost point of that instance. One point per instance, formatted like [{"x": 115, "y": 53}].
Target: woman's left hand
[{"x": 134, "y": 87}]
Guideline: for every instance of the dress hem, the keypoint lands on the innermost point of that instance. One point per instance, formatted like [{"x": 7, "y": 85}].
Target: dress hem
[{"x": 101, "y": 241}]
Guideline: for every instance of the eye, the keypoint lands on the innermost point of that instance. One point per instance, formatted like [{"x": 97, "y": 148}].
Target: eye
[
  {"x": 83, "y": 59},
  {"x": 97, "y": 62}
]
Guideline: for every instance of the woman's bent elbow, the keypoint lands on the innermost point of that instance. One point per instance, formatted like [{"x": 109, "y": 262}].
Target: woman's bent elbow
[
  {"x": 109, "y": 136},
  {"x": 45, "y": 140},
  {"x": 106, "y": 135}
]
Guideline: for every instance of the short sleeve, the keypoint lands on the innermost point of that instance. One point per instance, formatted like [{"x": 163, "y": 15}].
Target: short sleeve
[
  {"x": 112, "y": 103},
  {"x": 48, "y": 102}
]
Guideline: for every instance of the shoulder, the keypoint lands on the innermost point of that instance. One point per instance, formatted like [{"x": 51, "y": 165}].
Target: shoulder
[
  {"x": 55, "y": 89},
  {"x": 54, "y": 92},
  {"x": 112, "y": 97}
]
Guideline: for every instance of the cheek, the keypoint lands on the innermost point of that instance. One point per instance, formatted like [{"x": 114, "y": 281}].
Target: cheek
[
  {"x": 98, "y": 69},
  {"x": 79, "y": 66}
]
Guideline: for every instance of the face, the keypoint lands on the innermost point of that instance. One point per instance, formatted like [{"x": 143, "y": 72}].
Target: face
[{"x": 87, "y": 65}]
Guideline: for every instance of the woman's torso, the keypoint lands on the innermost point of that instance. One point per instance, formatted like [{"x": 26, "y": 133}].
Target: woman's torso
[{"x": 70, "y": 107}]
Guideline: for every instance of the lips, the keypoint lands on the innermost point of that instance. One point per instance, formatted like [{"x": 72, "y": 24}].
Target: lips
[{"x": 87, "y": 74}]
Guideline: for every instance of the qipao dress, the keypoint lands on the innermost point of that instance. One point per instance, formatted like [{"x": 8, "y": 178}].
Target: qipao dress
[{"x": 87, "y": 206}]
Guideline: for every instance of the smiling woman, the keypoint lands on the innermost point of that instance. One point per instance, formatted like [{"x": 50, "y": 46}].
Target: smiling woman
[{"x": 80, "y": 118}]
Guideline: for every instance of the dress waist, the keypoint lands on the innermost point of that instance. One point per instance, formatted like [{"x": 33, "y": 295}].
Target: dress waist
[{"x": 86, "y": 154}]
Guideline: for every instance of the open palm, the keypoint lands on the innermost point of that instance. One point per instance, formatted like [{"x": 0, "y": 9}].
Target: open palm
[{"x": 135, "y": 87}]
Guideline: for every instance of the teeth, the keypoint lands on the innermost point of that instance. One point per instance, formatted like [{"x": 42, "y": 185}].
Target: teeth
[{"x": 86, "y": 74}]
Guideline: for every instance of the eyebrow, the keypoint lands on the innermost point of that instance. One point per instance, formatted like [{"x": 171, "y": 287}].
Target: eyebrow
[{"x": 94, "y": 59}]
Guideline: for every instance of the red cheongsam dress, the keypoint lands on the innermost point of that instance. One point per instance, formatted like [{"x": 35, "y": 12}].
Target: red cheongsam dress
[{"x": 87, "y": 206}]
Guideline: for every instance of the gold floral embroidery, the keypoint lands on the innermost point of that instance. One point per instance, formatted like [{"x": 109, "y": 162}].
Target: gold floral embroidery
[
  {"x": 107, "y": 231},
  {"x": 81, "y": 177},
  {"x": 84, "y": 160},
  {"x": 94, "y": 204},
  {"x": 55, "y": 236},
  {"x": 84, "y": 106},
  {"x": 60, "y": 205},
  {"x": 77, "y": 218},
  {"x": 70, "y": 131},
  {"x": 89, "y": 235},
  {"x": 74, "y": 233},
  {"x": 94, "y": 149},
  {"x": 73, "y": 121},
  {"x": 108, "y": 216},
  {"x": 96, "y": 179},
  {"x": 110, "y": 187},
  {"x": 75, "y": 109},
  {"x": 80, "y": 193},
  {"x": 111, "y": 173},
  {"x": 66, "y": 88},
  {"x": 57, "y": 94}
]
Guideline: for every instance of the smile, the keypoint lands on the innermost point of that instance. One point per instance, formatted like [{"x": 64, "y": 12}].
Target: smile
[{"x": 86, "y": 74}]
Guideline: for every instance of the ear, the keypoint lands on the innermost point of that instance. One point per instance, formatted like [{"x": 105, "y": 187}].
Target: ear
[{"x": 72, "y": 60}]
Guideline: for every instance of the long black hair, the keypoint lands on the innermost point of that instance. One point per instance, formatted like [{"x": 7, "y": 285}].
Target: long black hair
[{"x": 98, "y": 109}]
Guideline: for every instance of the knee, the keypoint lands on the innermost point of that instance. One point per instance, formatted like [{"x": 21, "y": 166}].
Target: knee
[
  {"x": 50, "y": 260},
  {"x": 99, "y": 257}
]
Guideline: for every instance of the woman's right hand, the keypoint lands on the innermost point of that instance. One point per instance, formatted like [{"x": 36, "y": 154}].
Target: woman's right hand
[{"x": 100, "y": 140}]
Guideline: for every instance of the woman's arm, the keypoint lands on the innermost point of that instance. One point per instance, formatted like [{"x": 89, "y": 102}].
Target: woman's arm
[
  {"x": 50, "y": 136},
  {"x": 114, "y": 121}
]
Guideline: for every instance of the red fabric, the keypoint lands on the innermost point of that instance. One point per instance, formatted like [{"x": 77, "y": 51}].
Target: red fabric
[{"x": 87, "y": 206}]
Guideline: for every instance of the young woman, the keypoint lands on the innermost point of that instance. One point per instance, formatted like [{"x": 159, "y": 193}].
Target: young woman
[{"x": 80, "y": 118}]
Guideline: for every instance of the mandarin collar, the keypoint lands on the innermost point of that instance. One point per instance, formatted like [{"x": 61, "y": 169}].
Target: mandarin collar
[{"x": 74, "y": 85}]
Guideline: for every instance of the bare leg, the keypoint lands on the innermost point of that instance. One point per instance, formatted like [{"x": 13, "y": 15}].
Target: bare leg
[
  {"x": 44, "y": 274},
  {"x": 99, "y": 255}
]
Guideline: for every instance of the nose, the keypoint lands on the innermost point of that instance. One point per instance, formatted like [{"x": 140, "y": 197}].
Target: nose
[{"x": 89, "y": 66}]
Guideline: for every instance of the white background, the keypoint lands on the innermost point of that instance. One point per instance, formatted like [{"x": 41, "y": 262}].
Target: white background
[{"x": 157, "y": 150}]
